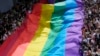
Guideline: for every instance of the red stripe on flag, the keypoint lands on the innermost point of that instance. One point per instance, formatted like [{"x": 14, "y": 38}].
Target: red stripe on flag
[
  {"x": 24, "y": 34},
  {"x": 44, "y": 1}
]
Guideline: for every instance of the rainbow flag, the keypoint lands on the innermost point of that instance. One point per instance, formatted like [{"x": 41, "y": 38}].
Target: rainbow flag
[{"x": 50, "y": 30}]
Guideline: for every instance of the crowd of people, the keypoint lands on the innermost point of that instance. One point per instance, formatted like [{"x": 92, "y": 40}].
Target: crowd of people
[
  {"x": 91, "y": 28},
  {"x": 13, "y": 18}
]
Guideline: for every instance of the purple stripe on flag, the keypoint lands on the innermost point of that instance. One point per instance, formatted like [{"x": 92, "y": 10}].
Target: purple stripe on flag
[{"x": 74, "y": 35}]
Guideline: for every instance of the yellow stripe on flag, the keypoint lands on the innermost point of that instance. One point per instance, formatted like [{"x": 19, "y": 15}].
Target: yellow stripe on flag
[{"x": 36, "y": 45}]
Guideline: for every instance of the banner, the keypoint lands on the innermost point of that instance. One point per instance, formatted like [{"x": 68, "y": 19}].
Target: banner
[{"x": 50, "y": 30}]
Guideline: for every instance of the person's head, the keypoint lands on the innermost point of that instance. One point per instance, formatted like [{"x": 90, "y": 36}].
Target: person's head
[{"x": 97, "y": 30}]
